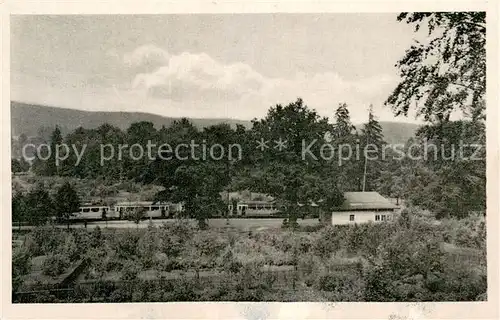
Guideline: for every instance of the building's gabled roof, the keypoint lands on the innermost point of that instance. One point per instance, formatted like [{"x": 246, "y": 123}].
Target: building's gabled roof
[{"x": 364, "y": 201}]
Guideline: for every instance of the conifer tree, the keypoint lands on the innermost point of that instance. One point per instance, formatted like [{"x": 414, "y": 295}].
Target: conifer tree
[
  {"x": 372, "y": 141},
  {"x": 343, "y": 126},
  {"x": 55, "y": 140}
]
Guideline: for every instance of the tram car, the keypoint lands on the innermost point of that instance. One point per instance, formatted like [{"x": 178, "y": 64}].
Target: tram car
[
  {"x": 159, "y": 210},
  {"x": 254, "y": 208},
  {"x": 123, "y": 210},
  {"x": 91, "y": 212}
]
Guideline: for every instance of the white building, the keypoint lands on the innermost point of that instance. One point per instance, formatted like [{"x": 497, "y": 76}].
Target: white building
[{"x": 362, "y": 207}]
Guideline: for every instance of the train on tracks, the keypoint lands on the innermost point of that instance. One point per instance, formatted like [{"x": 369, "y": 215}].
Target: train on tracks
[{"x": 127, "y": 211}]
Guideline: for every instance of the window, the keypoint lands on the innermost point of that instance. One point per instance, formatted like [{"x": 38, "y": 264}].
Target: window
[
  {"x": 383, "y": 217},
  {"x": 155, "y": 208},
  {"x": 351, "y": 217},
  {"x": 86, "y": 210},
  {"x": 377, "y": 217}
]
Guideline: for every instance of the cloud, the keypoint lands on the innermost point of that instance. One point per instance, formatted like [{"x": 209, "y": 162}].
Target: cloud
[
  {"x": 198, "y": 78},
  {"x": 196, "y": 85},
  {"x": 146, "y": 58}
]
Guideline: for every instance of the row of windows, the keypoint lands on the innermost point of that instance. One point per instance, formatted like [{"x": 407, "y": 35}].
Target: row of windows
[
  {"x": 255, "y": 207},
  {"x": 127, "y": 208},
  {"x": 261, "y": 207},
  {"x": 378, "y": 217},
  {"x": 130, "y": 208},
  {"x": 382, "y": 217},
  {"x": 93, "y": 209}
]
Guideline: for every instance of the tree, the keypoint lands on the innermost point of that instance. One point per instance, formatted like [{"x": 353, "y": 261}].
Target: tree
[
  {"x": 39, "y": 205},
  {"x": 198, "y": 187},
  {"x": 293, "y": 180},
  {"x": 343, "y": 126},
  {"x": 448, "y": 71},
  {"x": 453, "y": 182},
  {"x": 139, "y": 133},
  {"x": 15, "y": 166},
  {"x": 192, "y": 177},
  {"x": 136, "y": 215},
  {"x": 372, "y": 139},
  {"x": 111, "y": 169},
  {"x": 67, "y": 202},
  {"x": 20, "y": 266},
  {"x": 55, "y": 140},
  {"x": 19, "y": 209},
  {"x": 48, "y": 167},
  {"x": 395, "y": 177}
]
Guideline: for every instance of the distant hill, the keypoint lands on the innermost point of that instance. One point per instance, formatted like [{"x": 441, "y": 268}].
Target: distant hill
[
  {"x": 397, "y": 132},
  {"x": 30, "y": 119}
]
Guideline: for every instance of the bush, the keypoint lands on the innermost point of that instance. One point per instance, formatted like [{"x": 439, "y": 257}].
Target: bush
[
  {"x": 130, "y": 270},
  {"x": 20, "y": 266},
  {"x": 125, "y": 243},
  {"x": 165, "y": 263},
  {"x": 55, "y": 265},
  {"x": 70, "y": 248},
  {"x": 309, "y": 267},
  {"x": 45, "y": 241},
  {"x": 208, "y": 243},
  {"x": 314, "y": 228},
  {"x": 147, "y": 246},
  {"x": 327, "y": 242}
]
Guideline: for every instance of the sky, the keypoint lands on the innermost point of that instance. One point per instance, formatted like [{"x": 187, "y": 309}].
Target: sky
[{"x": 209, "y": 65}]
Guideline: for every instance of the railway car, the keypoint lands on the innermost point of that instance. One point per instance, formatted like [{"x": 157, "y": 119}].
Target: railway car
[
  {"x": 158, "y": 210},
  {"x": 254, "y": 208},
  {"x": 121, "y": 211},
  {"x": 91, "y": 212}
]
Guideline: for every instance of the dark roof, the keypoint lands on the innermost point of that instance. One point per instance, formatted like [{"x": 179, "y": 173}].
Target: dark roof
[
  {"x": 256, "y": 202},
  {"x": 364, "y": 201}
]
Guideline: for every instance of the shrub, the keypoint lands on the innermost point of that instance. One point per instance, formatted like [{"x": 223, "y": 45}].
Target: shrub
[
  {"x": 125, "y": 243},
  {"x": 208, "y": 243},
  {"x": 309, "y": 267},
  {"x": 55, "y": 264},
  {"x": 45, "y": 241},
  {"x": 147, "y": 245},
  {"x": 227, "y": 262},
  {"x": 20, "y": 266},
  {"x": 130, "y": 270},
  {"x": 70, "y": 248},
  {"x": 165, "y": 263},
  {"x": 327, "y": 242}
]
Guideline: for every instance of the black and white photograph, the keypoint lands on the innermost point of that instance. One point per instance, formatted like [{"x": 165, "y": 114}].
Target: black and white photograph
[{"x": 249, "y": 157}]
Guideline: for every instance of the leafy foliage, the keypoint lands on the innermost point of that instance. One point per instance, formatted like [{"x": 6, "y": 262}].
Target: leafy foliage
[
  {"x": 66, "y": 202},
  {"x": 447, "y": 71}
]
